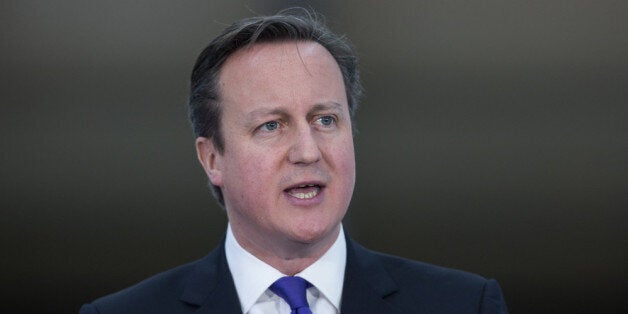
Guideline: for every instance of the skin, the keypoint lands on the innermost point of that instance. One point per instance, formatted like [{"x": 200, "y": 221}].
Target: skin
[{"x": 286, "y": 124}]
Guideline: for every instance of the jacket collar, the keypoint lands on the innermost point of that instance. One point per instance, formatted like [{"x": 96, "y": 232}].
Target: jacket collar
[
  {"x": 367, "y": 285},
  {"x": 210, "y": 285}
]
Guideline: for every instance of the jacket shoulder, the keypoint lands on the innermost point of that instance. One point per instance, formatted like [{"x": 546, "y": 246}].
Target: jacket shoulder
[
  {"x": 410, "y": 272},
  {"x": 157, "y": 294},
  {"x": 427, "y": 288}
]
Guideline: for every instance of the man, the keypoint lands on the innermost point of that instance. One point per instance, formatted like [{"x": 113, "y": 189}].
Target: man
[{"x": 272, "y": 104}]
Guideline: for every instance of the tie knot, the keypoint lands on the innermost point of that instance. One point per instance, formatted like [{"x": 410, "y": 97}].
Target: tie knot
[{"x": 292, "y": 290}]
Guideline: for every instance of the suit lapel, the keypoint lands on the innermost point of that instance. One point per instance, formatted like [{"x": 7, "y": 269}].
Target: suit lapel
[
  {"x": 367, "y": 285},
  {"x": 210, "y": 286},
  {"x": 366, "y": 288}
]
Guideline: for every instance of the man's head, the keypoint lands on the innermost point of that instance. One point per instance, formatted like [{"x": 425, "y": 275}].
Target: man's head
[
  {"x": 205, "y": 103},
  {"x": 274, "y": 130}
]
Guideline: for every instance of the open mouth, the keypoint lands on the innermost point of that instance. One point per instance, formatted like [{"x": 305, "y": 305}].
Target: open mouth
[{"x": 304, "y": 191}]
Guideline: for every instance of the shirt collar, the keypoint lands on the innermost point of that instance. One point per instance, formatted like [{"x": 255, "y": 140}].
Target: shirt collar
[
  {"x": 328, "y": 272},
  {"x": 252, "y": 276}
]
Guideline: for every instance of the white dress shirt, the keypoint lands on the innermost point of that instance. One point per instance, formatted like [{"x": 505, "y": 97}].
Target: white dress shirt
[{"x": 252, "y": 277}]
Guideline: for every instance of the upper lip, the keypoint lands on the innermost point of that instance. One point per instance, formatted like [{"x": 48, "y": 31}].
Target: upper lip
[{"x": 306, "y": 184}]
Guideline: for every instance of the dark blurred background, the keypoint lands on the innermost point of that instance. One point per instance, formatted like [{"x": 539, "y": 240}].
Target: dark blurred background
[{"x": 493, "y": 138}]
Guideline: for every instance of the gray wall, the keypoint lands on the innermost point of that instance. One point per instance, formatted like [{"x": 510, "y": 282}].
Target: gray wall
[{"x": 493, "y": 138}]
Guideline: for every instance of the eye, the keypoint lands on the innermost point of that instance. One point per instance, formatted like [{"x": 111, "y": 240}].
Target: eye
[
  {"x": 269, "y": 126},
  {"x": 326, "y": 120}
]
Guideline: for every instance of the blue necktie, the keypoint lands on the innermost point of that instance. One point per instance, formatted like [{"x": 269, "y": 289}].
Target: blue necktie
[{"x": 292, "y": 290}]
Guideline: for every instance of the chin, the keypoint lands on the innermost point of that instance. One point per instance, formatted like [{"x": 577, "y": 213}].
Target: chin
[{"x": 312, "y": 234}]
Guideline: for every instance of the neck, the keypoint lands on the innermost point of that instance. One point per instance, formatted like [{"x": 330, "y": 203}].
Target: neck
[{"x": 287, "y": 256}]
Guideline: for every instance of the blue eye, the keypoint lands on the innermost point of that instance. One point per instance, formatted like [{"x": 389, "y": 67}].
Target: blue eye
[
  {"x": 326, "y": 120},
  {"x": 270, "y": 126}
]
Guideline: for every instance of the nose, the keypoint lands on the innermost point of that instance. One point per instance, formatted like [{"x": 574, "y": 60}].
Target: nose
[{"x": 304, "y": 149}]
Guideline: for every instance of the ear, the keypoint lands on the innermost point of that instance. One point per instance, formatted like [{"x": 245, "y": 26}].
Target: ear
[{"x": 210, "y": 159}]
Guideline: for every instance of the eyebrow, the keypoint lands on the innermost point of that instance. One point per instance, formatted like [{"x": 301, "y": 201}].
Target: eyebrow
[
  {"x": 252, "y": 116},
  {"x": 327, "y": 106}
]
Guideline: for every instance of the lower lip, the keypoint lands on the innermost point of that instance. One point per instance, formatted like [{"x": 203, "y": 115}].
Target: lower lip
[{"x": 306, "y": 201}]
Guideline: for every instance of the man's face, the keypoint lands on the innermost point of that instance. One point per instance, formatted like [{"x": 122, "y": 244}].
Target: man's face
[{"x": 288, "y": 169}]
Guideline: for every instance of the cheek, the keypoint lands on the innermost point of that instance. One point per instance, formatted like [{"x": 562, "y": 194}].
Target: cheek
[
  {"x": 249, "y": 176},
  {"x": 344, "y": 161},
  {"x": 345, "y": 167}
]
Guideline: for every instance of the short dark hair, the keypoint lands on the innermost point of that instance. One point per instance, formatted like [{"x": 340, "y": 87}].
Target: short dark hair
[{"x": 289, "y": 25}]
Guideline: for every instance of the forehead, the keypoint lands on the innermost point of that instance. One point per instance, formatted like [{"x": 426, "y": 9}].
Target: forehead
[
  {"x": 277, "y": 68},
  {"x": 285, "y": 52}
]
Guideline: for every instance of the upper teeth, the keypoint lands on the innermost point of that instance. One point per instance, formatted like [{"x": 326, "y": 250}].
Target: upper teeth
[
  {"x": 305, "y": 195},
  {"x": 305, "y": 185}
]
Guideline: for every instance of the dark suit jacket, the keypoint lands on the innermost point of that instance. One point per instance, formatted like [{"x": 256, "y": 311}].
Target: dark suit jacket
[{"x": 373, "y": 283}]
